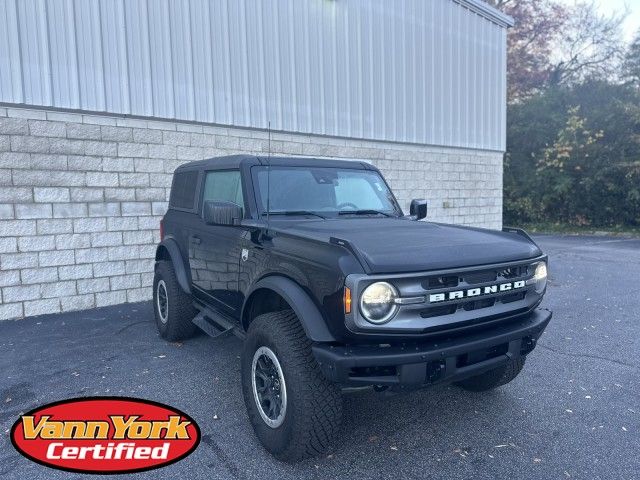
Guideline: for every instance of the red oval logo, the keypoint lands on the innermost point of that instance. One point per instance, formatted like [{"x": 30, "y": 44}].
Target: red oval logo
[{"x": 105, "y": 435}]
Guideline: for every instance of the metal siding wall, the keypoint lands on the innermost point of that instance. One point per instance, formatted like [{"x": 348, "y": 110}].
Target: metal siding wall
[
  {"x": 90, "y": 55},
  {"x": 10, "y": 66},
  {"x": 34, "y": 52},
  {"x": 141, "y": 91},
  {"x": 64, "y": 60},
  {"x": 418, "y": 71}
]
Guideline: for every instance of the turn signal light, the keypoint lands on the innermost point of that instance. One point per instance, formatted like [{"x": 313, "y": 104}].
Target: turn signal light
[{"x": 347, "y": 300}]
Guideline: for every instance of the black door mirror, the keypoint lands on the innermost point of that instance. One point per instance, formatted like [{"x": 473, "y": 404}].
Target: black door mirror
[
  {"x": 418, "y": 209},
  {"x": 222, "y": 213}
]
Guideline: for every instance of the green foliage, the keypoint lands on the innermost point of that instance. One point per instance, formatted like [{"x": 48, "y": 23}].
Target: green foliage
[
  {"x": 573, "y": 130},
  {"x": 573, "y": 156}
]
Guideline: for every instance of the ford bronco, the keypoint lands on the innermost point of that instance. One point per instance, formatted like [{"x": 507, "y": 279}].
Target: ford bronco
[{"x": 313, "y": 263}]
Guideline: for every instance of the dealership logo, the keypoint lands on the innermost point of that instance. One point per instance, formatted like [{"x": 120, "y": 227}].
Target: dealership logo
[
  {"x": 476, "y": 292},
  {"x": 105, "y": 435}
]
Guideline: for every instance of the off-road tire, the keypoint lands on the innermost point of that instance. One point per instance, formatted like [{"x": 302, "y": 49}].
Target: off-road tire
[
  {"x": 493, "y": 378},
  {"x": 314, "y": 405},
  {"x": 179, "y": 325}
]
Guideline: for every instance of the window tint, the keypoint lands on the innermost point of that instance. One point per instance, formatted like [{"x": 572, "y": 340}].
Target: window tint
[
  {"x": 223, "y": 186},
  {"x": 352, "y": 187},
  {"x": 183, "y": 189},
  {"x": 324, "y": 189}
]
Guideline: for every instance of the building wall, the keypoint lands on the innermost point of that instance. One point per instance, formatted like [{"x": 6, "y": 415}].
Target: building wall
[
  {"x": 81, "y": 196},
  {"x": 420, "y": 71}
]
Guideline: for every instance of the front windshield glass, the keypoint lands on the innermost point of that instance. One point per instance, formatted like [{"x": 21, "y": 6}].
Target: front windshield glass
[{"x": 323, "y": 190}]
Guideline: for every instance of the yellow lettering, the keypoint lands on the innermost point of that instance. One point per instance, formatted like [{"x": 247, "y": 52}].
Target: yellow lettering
[
  {"x": 177, "y": 429},
  {"x": 63, "y": 430},
  {"x": 121, "y": 425},
  {"x": 31, "y": 430},
  {"x": 132, "y": 428}
]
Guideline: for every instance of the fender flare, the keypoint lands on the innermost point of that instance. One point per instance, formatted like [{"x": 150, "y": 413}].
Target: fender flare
[
  {"x": 176, "y": 259},
  {"x": 301, "y": 303}
]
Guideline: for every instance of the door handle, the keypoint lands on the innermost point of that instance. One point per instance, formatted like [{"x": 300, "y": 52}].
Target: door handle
[{"x": 197, "y": 240}]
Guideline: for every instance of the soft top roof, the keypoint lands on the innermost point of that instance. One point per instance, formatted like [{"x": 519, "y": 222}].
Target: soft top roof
[{"x": 236, "y": 161}]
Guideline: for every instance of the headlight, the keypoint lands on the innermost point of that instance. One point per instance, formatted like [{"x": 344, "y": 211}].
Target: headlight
[
  {"x": 377, "y": 302},
  {"x": 540, "y": 277}
]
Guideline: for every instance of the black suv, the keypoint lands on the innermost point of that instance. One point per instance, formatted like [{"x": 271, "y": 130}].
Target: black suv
[{"x": 314, "y": 264}]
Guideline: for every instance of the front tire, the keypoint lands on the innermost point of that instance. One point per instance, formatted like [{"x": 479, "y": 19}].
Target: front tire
[
  {"x": 494, "y": 378},
  {"x": 172, "y": 307},
  {"x": 294, "y": 410}
]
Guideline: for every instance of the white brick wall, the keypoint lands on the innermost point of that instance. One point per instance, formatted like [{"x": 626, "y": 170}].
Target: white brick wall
[{"x": 81, "y": 196}]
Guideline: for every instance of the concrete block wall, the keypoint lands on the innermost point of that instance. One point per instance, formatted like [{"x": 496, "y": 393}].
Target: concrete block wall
[{"x": 81, "y": 196}]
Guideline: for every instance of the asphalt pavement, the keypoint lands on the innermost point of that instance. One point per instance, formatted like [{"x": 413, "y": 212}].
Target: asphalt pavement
[{"x": 574, "y": 412}]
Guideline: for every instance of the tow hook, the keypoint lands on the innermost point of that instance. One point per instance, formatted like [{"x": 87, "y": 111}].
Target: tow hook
[{"x": 527, "y": 345}]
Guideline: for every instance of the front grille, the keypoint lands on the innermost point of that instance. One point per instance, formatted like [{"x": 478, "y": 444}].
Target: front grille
[
  {"x": 484, "y": 303},
  {"x": 437, "y": 283},
  {"x": 453, "y": 300},
  {"x": 514, "y": 272},
  {"x": 474, "y": 279},
  {"x": 439, "y": 311},
  {"x": 432, "y": 283},
  {"x": 514, "y": 297}
]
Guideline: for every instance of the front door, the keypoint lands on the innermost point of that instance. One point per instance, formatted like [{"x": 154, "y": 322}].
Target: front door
[{"x": 215, "y": 250}]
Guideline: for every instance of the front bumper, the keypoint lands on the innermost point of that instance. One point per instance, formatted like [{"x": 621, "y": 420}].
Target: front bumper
[{"x": 436, "y": 361}]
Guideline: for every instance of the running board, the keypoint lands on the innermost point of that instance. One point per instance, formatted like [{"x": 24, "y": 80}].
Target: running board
[{"x": 215, "y": 324}]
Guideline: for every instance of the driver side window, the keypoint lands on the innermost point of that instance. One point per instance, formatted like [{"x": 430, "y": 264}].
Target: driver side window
[{"x": 223, "y": 186}]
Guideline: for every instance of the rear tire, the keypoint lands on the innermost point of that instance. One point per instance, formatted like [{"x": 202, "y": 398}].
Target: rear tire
[
  {"x": 307, "y": 418},
  {"x": 493, "y": 378},
  {"x": 172, "y": 307}
]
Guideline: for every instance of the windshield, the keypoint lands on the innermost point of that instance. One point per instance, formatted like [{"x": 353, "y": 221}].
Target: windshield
[{"x": 323, "y": 191}]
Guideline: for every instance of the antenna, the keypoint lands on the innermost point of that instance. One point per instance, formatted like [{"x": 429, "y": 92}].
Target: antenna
[{"x": 268, "y": 172}]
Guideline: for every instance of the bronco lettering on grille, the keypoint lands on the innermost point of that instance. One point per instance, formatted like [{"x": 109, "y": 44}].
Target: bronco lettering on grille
[{"x": 476, "y": 292}]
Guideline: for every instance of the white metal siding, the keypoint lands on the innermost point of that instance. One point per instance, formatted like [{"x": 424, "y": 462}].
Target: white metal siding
[{"x": 418, "y": 71}]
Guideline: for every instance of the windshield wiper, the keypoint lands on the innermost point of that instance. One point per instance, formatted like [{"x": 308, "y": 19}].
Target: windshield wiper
[
  {"x": 294, "y": 212},
  {"x": 363, "y": 212}
]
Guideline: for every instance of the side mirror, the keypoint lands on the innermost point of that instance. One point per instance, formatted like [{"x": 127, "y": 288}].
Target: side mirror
[
  {"x": 222, "y": 213},
  {"x": 418, "y": 209}
]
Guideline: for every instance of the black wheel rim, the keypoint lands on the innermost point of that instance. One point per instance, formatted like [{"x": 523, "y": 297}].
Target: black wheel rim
[{"x": 269, "y": 388}]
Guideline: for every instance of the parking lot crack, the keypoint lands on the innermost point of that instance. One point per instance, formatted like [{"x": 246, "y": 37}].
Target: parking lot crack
[
  {"x": 586, "y": 355},
  {"x": 126, "y": 327},
  {"x": 224, "y": 458}
]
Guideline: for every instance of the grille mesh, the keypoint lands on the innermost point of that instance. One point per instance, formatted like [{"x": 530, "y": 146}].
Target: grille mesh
[{"x": 471, "y": 279}]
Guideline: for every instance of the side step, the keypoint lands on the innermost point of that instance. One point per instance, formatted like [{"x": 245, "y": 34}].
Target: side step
[{"x": 215, "y": 324}]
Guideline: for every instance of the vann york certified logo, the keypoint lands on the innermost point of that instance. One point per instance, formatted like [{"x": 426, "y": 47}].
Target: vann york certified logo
[{"x": 105, "y": 435}]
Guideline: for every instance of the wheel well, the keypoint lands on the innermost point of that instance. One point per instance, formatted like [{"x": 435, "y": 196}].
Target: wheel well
[
  {"x": 162, "y": 253},
  {"x": 261, "y": 301}
]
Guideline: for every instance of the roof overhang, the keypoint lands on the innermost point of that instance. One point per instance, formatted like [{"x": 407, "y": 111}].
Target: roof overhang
[{"x": 487, "y": 11}]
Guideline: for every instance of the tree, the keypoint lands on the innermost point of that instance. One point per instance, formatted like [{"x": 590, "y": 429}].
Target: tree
[
  {"x": 555, "y": 44},
  {"x": 590, "y": 46},
  {"x": 573, "y": 156},
  {"x": 632, "y": 61},
  {"x": 538, "y": 26},
  {"x": 573, "y": 131},
  {"x": 562, "y": 169}
]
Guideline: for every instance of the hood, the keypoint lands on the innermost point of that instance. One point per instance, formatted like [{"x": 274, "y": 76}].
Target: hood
[{"x": 394, "y": 245}]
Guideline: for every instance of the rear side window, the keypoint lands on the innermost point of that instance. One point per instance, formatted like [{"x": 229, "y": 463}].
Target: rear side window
[
  {"x": 225, "y": 186},
  {"x": 183, "y": 190}
]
